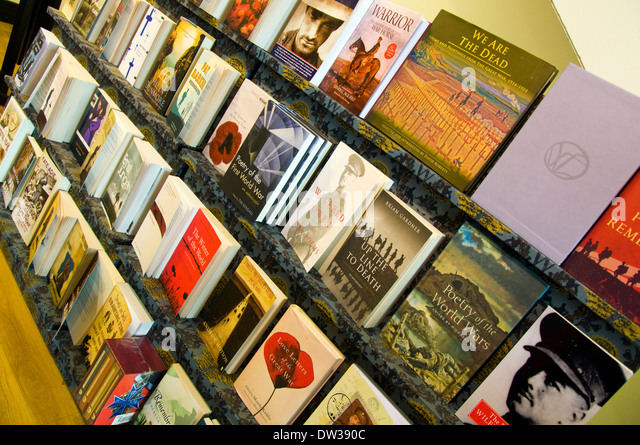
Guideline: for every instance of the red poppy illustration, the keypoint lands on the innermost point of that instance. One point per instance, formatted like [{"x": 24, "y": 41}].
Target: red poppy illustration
[
  {"x": 225, "y": 143},
  {"x": 288, "y": 365}
]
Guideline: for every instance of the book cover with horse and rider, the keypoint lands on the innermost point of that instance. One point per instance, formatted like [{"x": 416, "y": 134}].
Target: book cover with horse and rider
[{"x": 369, "y": 53}]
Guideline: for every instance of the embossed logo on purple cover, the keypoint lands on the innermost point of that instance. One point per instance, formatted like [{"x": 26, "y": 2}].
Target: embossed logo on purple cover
[{"x": 566, "y": 160}]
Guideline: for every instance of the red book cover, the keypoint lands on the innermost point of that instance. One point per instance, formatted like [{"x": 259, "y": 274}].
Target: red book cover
[
  {"x": 189, "y": 260},
  {"x": 244, "y": 15},
  {"x": 607, "y": 260}
]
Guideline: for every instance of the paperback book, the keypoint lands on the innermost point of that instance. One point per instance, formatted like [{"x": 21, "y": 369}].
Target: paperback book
[
  {"x": 461, "y": 310},
  {"x": 36, "y": 60},
  {"x": 562, "y": 158},
  {"x": 122, "y": 29},
  {"x": 197, "y": 261},
  {"x": 20, "y": 168},
  {"x": 288, "y": 370},
  {"x": 86, "y": 14},
  {"x": 356, "y": 400},
  {"x": 173, "y": 62},
  {"x": 15, "y": 127},
  {"x": 234, "y": 125},
  {"x": 270, "y": 23},
  {"x": 244, "y": 14},
  {"x": 236, "y": 316},
  {"x": 607, "y": 260},
  {"x": 379, "y": 258},
  {"x": 553, "y": 375},
  {"x": 370, "y": 52},
  {"x": 455, "y": 100},
  {"x": 335, "y": 201}
]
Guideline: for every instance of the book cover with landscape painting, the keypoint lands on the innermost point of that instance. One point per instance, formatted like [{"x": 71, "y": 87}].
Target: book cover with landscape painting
[{"x": 458, "y": 96}]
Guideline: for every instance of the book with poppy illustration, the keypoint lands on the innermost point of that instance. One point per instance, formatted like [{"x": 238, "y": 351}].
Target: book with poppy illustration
[
  {"x": 244, "y": 16},
  {"x": 288, "y": 369},
  {"x": 235, "y": 123}
]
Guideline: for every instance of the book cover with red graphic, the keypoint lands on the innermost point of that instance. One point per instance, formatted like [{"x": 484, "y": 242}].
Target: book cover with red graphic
[
  {"x": 290, "y": 367},
  {"x": 607, "y": 260}
]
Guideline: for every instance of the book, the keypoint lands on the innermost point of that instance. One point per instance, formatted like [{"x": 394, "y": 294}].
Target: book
[
  {"x": 36, "y": 195},
  {"x": 123, "y": 29},
  {"x": 244, "y": 15},
  {"x": 173, "y": 62},
  {"x": 554, "y": 375},
  {"x": 15, "y": 126},
  {"x": 385, "y": 251},
  {"x": 97, "y": 110},
  {"x": 53, "y": 232},
  {"x": 86, "y": 14},
  {"x": 215, "y": 8},
  {"x": 170, "y": 213},
  {"x": 559, "y": 149},
  {"x": 109, "y": 21},
  {"x": 235, "y": 318},
  {"x": 205, "y": 88},
  {"x": 35, "y": 61},
  {"x": 102, "y": 20},
  {"x": 288, "y": 369},
  {"x": 145, "y": 45},
  {"x": 20, "y": 168},
  {"x": 174, "y": 401},
  {"x": 75, "y": 255},
  {"x": 68, "y": 8},
  {"x": 119, "y": 382},
  {"x": 266, "y": 160},
  {"x": 343, "y": 188},
  {"x": 106, "y": 150},
  {"x": 370, "y": 52},
  {"x": 196, "y": 263},
  {"x": 607, "y": 259},
  {"x": 356, "y": 399},
  {"x": 472, "y": 88},
  {"x": 270, "y": 23},
  {"x": 122, "y": 315},
  {"x": 619, "y": 409},
  {"x": 61, "y": 96},
  {"x": 234, "y": 125},
  {"x": 310, "y": 33},
  {"x": 461, "y": 310},
  {"x": 89, "y": 296},
  {"x": 134, "y": 185}
]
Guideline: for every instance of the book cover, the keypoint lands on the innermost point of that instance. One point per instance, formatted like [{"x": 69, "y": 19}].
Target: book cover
[
  {"x": 35, "y": 61},
  {"x": 244, "y": 14},
  {"x": 379, "y": 258},
  {"x": 288, "y": 369},
  {"x": 270, "y": 23},
  {"x": 173, "y": 62},
  {"x": 461, "y": 310},
  {"x": 86, "y": 14},
  {"x": 454, "y": 101},
  {"x": 345, "y": 186},
  {"x": 607, "y": 260},
  {"x": 239, "y": 117},
  {"x": 568, "y": 162},
  {"x": 553, "y": 375},
  {"x": 310, "y": 33},
  {"x": 265, "y": 160},
  {"x": 371, "y": 50},
  {"x": 235, "y": 318},
  {"x": 20, "y": 169},
  {"x": 15, "y": 128},
  {"x": 356, "y": 400},
  {"x": 174, "y": 401}
]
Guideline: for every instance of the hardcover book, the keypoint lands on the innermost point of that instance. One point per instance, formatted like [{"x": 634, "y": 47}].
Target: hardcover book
[
  {"x": 265, "y": 160},
  {"x": 119, "y": 382},
  {"x": 560, "y": 160},
  {"x": 97, "y": 110},
  {"x": 356, "y": 400},
  {"x": 314, "y": 27},
  {"x": 379, "y": 258},
  {"x": 197, "y": 102},
  {"x": 371, "y": 50},
  {"x": 173, "y": 62},
  {"x": 15, "y": 126},
  {"x": 145, "y": 45},
  {"x": 288, "y": 369},
  {"x": 195, "y": 265},
  {"x": 461, "y": 310},
  {"x": 345, "y": 186},
  {"x": 36, "y": 59},
  {"x": 20, "y": 169},
  {"x": 607, "y": 260},
  {"x": 235, "y": 318},
  {"x": 239, "y": 117},
  {"x": 455, "y": 100},
  {"x": 174, "y": 401},
  {"x": 553, "y": 375}
]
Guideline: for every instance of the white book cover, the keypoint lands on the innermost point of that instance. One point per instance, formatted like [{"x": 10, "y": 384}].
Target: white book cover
[
  {"x": 35, "y": 62},
  {"x": 15, "y": 126}
]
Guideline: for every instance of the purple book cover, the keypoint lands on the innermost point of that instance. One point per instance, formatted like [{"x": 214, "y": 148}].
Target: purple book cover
[{"x": 566, "y": 164}]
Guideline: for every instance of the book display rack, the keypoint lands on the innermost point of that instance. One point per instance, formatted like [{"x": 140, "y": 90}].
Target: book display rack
[{"x": 176, "y": 339}]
